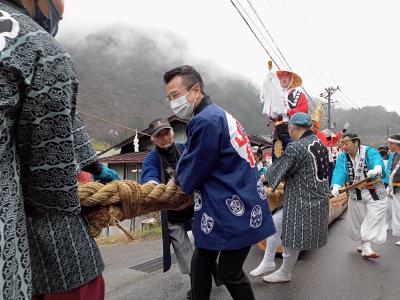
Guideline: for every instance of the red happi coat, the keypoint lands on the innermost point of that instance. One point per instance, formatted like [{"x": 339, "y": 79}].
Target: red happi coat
[
  {"x": 328, "y": 143},
  {"x": 297, "y": 102}
]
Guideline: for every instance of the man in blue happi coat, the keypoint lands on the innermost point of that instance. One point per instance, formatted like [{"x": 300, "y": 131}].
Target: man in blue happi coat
[{"x": 218, "y": 166}]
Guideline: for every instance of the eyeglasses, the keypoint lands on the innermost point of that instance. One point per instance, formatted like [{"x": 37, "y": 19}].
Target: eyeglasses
[{"x": 175, "y": 94}]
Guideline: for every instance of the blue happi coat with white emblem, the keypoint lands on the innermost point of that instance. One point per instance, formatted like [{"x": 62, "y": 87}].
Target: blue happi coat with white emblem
[{"x": 218, "y": 166}]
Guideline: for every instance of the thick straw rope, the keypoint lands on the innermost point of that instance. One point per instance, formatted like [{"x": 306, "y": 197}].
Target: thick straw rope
[{"x": 107, "y": 205}]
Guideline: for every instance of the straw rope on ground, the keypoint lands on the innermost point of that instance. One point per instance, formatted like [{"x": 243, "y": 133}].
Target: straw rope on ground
[{"x": 107, "y": 205}]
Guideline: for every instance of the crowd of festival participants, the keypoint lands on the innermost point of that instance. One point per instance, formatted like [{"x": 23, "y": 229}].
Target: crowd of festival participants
[{"x": 46, "y": 250}]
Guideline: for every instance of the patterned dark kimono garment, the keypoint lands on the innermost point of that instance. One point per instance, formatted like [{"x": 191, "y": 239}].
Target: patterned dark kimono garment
[
  {"x": 304, "y": 168},
  {"x": 43, "y": 145}
]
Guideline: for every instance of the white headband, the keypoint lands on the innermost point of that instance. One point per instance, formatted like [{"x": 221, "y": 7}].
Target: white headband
[{"x": 393, "y": 141}]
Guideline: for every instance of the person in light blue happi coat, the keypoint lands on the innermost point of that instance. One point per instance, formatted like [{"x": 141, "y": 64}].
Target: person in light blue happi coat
[
  {"x": 392, "y": 180},
  {"x": 218, "y": 166},
  {"x": 368, "y": 204}
]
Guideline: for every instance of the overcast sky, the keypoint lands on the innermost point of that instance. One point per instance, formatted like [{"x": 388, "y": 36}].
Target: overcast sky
[{"x": 353, "y": 44}]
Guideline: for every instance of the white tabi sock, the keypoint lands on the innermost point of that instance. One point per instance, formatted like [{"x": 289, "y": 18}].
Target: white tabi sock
[
  {"x": 366, "y": 248},
  {"x": 290, "y": 257},
  {"x": 266, "y": 265}
]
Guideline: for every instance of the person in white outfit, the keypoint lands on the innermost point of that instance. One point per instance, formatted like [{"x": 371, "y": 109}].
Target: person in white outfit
[
  {"x": 384, "y": 152},
  {"x": 368, "y": 204},
  {"x": 273, "y": 242},
  {"x": 393, "y": 183}
]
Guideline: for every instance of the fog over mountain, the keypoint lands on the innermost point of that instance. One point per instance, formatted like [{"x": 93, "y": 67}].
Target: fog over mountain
[{"x": 121, "y": 72}]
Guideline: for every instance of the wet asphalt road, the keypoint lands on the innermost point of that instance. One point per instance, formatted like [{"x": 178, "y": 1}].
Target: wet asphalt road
[{"x": 335, "y": 271}]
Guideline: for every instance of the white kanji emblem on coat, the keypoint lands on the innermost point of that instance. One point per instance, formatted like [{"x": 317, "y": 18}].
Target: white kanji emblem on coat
[
  {"x": 260, "y": 190},
  {"x": 9, "y": 27},
  {"x": 256, "y": 217},
  {"x": 207, "y": 223},
  {"x": 198, "y": 203},
  {"x": 239, "y": 139},
  {"x": 235, "y": 205}
]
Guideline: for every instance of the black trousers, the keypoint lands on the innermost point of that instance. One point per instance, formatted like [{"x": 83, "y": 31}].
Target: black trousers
[
  {"x": 282, "y": 133},
  {"x": 230, "y": 272}
]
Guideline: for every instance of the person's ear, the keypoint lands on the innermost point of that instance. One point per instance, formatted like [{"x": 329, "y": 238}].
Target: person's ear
[{"x": 197, "y": 90}]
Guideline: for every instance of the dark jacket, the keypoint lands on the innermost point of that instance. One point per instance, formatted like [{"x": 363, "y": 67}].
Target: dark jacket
[{"x": 153, "y": 169}]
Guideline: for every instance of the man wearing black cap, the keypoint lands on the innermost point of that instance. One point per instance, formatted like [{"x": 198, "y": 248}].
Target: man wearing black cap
[
  {"x": 384, "y": 152},
  {"x": 159, "y": 167},
  {"x": 305, "y": 168}
]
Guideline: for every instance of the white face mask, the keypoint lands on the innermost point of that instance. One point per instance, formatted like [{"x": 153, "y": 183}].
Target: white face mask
[{"x": 182, "y": 108}]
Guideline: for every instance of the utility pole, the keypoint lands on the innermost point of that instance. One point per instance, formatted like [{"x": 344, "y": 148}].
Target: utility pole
[
  {"x": 327, "y": 95},
  {"x": 387, "y": 130}
]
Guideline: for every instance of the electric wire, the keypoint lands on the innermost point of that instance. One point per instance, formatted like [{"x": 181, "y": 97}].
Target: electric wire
[
  {"x": 251, "y": 29},
  {"x": 111, "y": 122}
]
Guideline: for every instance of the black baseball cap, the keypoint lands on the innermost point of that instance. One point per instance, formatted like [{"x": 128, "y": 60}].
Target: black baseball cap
[
  {"x": 157, "y": 125},
  {"x": 383, "y": 147}
]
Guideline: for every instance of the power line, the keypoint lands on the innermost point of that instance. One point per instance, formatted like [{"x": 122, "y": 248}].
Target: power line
[
  {"x": 342, "y": 102},
  {"x": 272, "y": 7},
  {"x": 112, "y": 123},
  {"x": 270, "y": 36},
  {"x": 323, "y": 77},
  {"x": 349, "y": 103},
  {"x": 349, "y": 99},
  {"x": 318, "y": 79},
  {"x": 288, "y": 65},
  {"x": 345, "y": 98},
  {"x": 260, "y": 32},
  {"x": 248, "y": 25},
  {"x": 320, "y": 71}
]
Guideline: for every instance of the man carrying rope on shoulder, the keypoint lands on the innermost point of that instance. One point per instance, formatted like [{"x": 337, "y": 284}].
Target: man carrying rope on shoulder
[
  {"x": 368, "y": 204},
  {"x": 218, "y": 166}
]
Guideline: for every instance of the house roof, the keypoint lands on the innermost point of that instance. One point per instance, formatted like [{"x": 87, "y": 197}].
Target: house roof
[
  {"x": 259, "y": 141},
  {"x": 172, "y": 119},
  {"x": 134, "y": 157}
]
